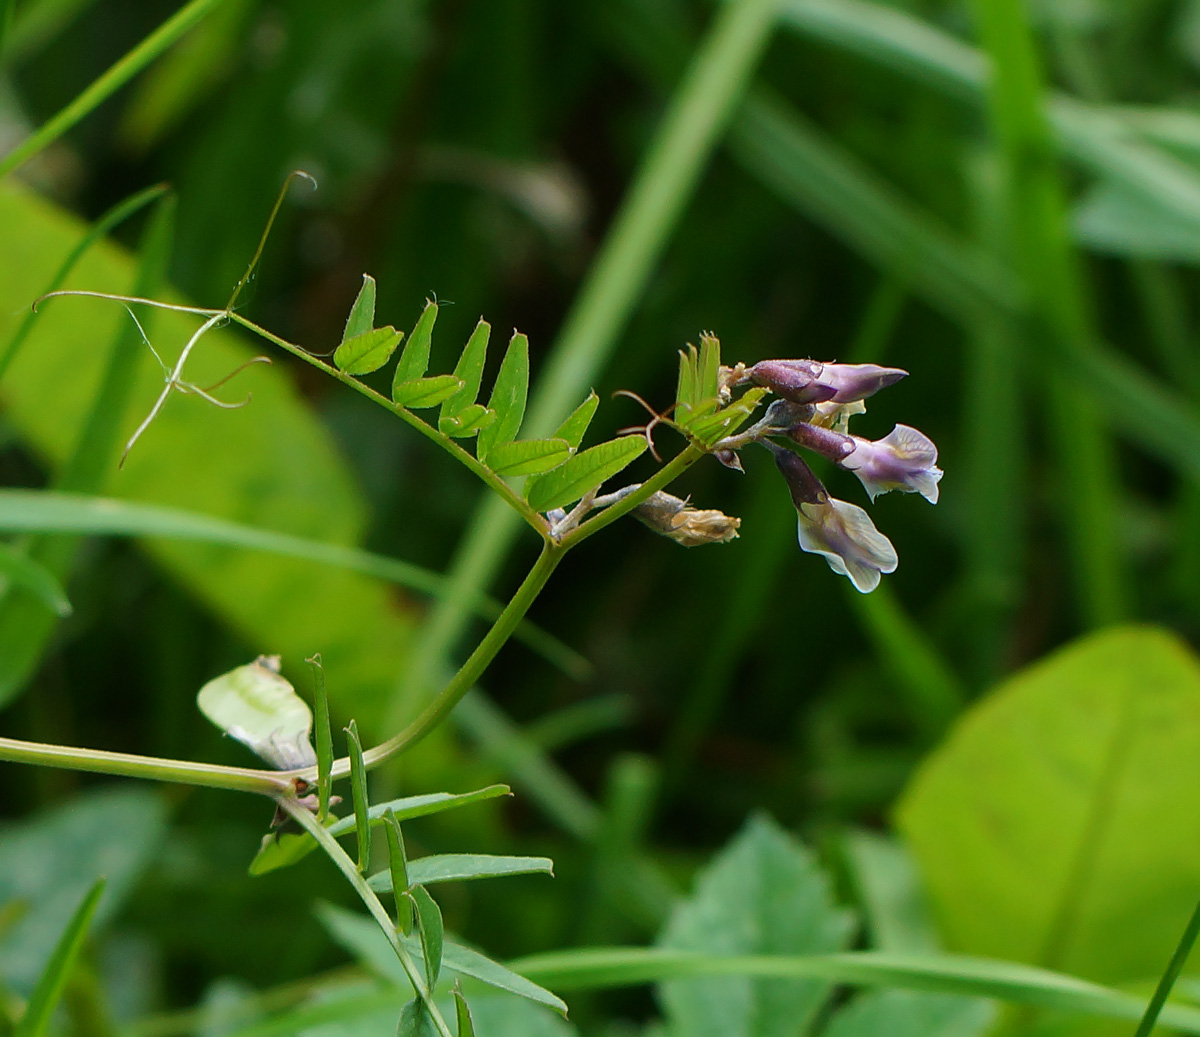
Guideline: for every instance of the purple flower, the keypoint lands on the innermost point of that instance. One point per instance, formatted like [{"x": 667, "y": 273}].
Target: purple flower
[
  {"x": 904, "y": 460},
  {"x": 841, "y": 532},
  {"x": 795, "y": 380},
  {"x": 851, "y": 382}
]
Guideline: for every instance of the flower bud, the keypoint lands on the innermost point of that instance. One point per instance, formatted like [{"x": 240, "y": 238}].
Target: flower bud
[
  {"x": 691, "y": 527},
  {"x": 795, "y": 380},
  {"x": 823, "y": 441},
  {"x": 904, "y": 460},
  {"x": 851, "y": 382}
]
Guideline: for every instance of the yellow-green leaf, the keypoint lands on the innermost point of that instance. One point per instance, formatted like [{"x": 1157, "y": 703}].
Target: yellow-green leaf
[
  {"x": 583, "y": 472},
  {"x": 367, "y": 352},
  {"x": 528, "y": 456}
]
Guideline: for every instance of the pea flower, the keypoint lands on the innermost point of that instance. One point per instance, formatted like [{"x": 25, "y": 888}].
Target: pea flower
[
  {"x": 809, "y": 381},
  {"x": 854, "y": 382},
  {"x": 839, "y": 531},
  {"x": 904, "y": 460}
]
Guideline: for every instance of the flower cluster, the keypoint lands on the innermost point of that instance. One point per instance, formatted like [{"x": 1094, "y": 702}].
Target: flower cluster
[{"x": 816, "y": 402}]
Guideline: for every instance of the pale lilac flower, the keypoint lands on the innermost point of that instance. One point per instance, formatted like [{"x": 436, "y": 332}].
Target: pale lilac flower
[
  {"x": 904, "y": 460},
  {"x": 852, "y": 382}
]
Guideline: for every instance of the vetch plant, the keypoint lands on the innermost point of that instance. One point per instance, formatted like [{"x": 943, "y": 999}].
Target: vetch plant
[{"x": 554, "y": 484}]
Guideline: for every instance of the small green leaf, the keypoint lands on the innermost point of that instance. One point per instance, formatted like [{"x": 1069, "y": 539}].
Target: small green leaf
[
  {"x": 362, "y": 313},
  {"x": 508, "y": 397},
  {"x": 528, "y": 456},
  {"x": 707, "y": 428},
  {"x": 456, "y": 867},
  {"x": 709, "y": 366},
  {"x": 470, "y": 369},
  {"x": 573, "y": 429},
  {"x": 688, "y": 391},
  {"x": 324, "y": 737},
  {"x": 18, "y": 568},
  {"x": 429, "y": 922},
  {"x": 358, "y": 791},
  {"x": 58, "y": 969},
  {"x": 426, "y": 392},
  {"x": 255, "y": 705},
  {"x": 398, "y": 873},
  {"x": 467, "y": 421},
  {"x": 466, "y": 1025},
  {"x": 281, "y": 851},
  {"x": 415, "y": 359},
  {"x": 415, "y": 1021},
  {"x": 583, "y": 472},
  {"x": 367, "y": 352}
]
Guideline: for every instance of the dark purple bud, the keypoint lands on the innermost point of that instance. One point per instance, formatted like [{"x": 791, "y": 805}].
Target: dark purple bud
[
  {"x": 851, "y": 382},
  {"x": 804, "y": 487},
  {"x": 730, "y": 459},
  {"x": 795, "y": 380},
  {"x": 823, "y": 441}
]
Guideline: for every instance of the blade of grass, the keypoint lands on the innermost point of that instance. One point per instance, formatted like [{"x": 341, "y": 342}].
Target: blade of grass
[
  {"x": 666, "y": 179},
  {"x": 49, "y": 511},
  {"x": 108, "y": 83},
  {"x": 1174, "y": 967}
]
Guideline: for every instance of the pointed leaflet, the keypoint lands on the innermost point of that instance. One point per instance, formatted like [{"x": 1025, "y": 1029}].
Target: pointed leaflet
[
  {"x": 259, "y": 708},
  {"x": 398, "y": 874},
  {"x": 585, "y": 471},
  {"x": 358, "y": 790},
  {"x": 426, "y": 392},
  {"x": 367, "y": 352},
  {"x": 470, "y": 369},
  {"x": 415, "y": 358},
  {"x": 429, "y": 922},
  {"x": 528, "y": 456},
  {"x": 455, "y": 867},
  {"x": 462, "y": 1012},
  {"x": 573, "y": 429},
  {"x": 468, "y": 421},
  {"x": 508, "y": 397},
  {"x": 763, "y": 894},
  {"x": 282, "y": 850},
  {"x": 362, "y": 313}
]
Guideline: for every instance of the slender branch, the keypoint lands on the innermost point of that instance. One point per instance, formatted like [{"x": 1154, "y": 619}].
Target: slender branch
[
  {"x": 1167, "y": 980},
  {"x": 185, "y": 772},
  {"x": 347, "y": 867}
]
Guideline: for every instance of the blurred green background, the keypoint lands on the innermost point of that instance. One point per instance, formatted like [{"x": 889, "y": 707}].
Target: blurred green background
[{"x": 1026, "y": 250}]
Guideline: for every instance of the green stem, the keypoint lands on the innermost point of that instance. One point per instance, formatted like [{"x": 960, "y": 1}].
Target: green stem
[
  {"x": 493, "y": 481},
  {"x": 348, "y": 868},
  {"x": 108, "y": 83},
  {"x": 183, "y": 772},
  {"x": 1167, "y": 980}
]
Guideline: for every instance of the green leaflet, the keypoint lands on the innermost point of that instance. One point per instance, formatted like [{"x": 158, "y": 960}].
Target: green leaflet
[
  {"x": 426, "y": 392},
  {"x": 398, "y": 870},
  {"x": 470, "y": 370},
  {"x": 528, "y": 456},
  {"x": 468, "y": 421},
  {"x": 324, "y": 738},
  {"x": 415, "y": 1021},
  {"x": 708, "y": 428},
  {"x": 457, "y": 867},
  {"x": 280, "y": 851},
  {"x": 462, "y": 1012},
  {"x": 29, "y": 573},
  {"x": 414, "y": 361},
  {"x": 573, "y": 429},
  {"x": 508, "y": 397},
  {"x": 429, "y": 922},
  {"x": 367, "y": 352},
  {"x": 362, "y": 313},
  {"x": 358, "y": 790},
  {"x": 699, "y": 370},
  {"x": 583, "y": 472}
]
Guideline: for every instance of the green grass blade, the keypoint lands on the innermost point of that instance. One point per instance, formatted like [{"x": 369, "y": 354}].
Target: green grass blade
[
  {"x": 414, "y": 361},
  {"x": 49, "y": 511},
  {"x": 694, "y": 122},
  {"x": 362, "y": 314},
  {"x": 358, "y": 791},
  {"x": 115, "y": 216},
  {"x": 1174, "y": 967},
  {"x": 508, "y": 398},
  {"x": 18, "y": 569},
  {"x": 53, "y": 979},
  {"x": 108, "y": 83}
]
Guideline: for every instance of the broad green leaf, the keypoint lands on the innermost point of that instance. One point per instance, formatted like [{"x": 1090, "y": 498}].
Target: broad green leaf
[
  {"x": 583, "y": 472},
  {"x": 426, "y": 392},
  {"x": 258, "y": 707},
  {"x": 358, "y": 791},
  {"x": 467, "y": 421},
  {"x": 49, "y": 863},
  {"x": 1058, "y": 824},
  {"x": 362, "y": 313},
  {"x": 367, "y": 352},
  {"x": 53, "y": 980},
  {"x": 359, "y": 935},
  {"x": 18, "y": 568},
  {"x": 763, "y": 893},
  {"x": 271, "y": 464},
  {"x": 415, "y": 1021},
  {"x": 454, "y": 867},
  {"x": 528, "y": 456},
  {"x": 576, "y": 425},
  {"x": 429, "y": 925},
  {"x": 469, "y": 370},
  {"x": 414, "y": 361},
  {"x": 280, "y": 851},
  {"x": 908, "y": 1013},
  {"x": 508, "y": 397}
]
